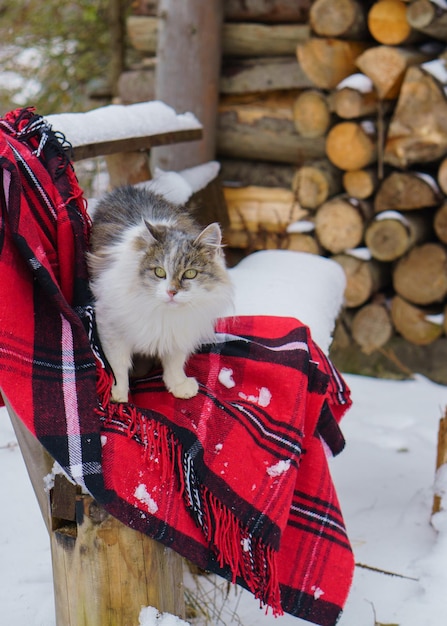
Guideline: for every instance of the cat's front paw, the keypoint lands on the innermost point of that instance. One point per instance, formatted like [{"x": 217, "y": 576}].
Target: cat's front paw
[
  {"x": 188, "y": 388},
  {"x": 119, "y": 395}
]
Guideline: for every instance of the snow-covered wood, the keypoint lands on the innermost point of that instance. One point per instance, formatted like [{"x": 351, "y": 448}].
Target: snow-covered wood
[{"x": 120, "y": 128}]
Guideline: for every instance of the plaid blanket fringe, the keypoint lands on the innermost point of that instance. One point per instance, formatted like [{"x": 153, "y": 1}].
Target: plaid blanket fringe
[{"x": 237, "y": 485}]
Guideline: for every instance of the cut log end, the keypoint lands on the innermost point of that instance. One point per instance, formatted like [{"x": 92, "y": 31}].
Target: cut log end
[
  {"x": 412, "y": 323},
  {"x": 421, "y": 276},
  {"x": 350, "y": 147},
  {"x": 339, "y": 225},
  {"x": 327, "y": 61},
  {"x": 311, "y": 114},
  {"x": 387, "y": 22},
  {"x": 372, "y": 327}
]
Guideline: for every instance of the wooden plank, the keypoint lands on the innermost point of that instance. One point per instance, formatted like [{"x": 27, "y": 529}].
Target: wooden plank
[{"x": 133, "y": 144}]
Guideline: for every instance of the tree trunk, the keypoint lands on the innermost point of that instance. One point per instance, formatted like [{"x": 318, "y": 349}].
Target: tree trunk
[
  {"x": 315, "y": 182},
  {"x": 339, "y": 18},
  {"x": 420, "y": 277},
  {"x": 196, "y": 27},
  {"x": 418, "y": 129},
  {"x": 372, "y": 327},
  {"x": 311, "y": 113},
  {"x": 327, "y": 61},
  {"x": 386, "y": 67},
  {"x": 361, "y": 183},
  {"x": 352, "y": 145},
  {"x": 390, "y": 235},
  {"x": 412, "y": 323},
  {"x": 339, "y": 224},
  {"x": 388, "y": 24},
  {"x": 363, "y": 278},
  {"x": 428, "y": 17},
  {"x": 405, "y": 191}
]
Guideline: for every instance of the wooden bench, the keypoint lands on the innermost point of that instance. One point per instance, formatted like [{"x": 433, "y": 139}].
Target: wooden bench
[{"x": 104, "y": 572}]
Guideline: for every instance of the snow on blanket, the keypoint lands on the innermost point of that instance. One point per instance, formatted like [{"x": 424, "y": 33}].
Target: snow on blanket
[{"x": 193, "y": 474}]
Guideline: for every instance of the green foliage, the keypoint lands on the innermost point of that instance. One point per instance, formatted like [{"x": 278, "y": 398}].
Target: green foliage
[{"x": 58, "y": 47}]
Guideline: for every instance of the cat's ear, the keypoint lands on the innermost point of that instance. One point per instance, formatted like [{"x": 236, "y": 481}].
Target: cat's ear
[
  {"x": 210, "y": 236},
  {"x": 152, "y": 233}
]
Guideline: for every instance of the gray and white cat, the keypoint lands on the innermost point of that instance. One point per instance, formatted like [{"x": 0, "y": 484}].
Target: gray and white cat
[{"x": 159, "y": 283}]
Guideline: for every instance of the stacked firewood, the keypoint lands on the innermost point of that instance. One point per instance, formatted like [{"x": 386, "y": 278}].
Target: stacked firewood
[{"x": 332, "y": 136}]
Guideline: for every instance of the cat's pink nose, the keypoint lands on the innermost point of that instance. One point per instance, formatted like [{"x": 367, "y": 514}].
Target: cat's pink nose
[{"x": 172, "y": 292}]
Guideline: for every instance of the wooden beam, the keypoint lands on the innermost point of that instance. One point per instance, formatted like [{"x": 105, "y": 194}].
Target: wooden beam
[{"x": 133, "y": 144}]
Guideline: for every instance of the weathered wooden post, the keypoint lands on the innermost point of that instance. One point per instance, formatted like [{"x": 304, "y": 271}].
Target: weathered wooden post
[
  {"x": 103, "y": 571},
  {"x": 188, "y": 73}
]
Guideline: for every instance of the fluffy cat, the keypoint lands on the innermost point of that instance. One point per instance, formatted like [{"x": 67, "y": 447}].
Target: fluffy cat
[{"x": 159, "y": 283}]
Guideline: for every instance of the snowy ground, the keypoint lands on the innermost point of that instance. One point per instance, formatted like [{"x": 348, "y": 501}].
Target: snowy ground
[{"x": 384, "y": 479}]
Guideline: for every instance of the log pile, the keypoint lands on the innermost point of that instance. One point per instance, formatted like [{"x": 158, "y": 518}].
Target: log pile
[{"x": 333, "y": 113}]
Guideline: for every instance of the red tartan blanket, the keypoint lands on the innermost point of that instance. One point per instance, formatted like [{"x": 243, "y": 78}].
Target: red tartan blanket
[{"x": 235, "y": 479}]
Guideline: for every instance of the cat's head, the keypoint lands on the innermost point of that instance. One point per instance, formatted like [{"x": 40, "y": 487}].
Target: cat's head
[{"x": 181, "y": 267}]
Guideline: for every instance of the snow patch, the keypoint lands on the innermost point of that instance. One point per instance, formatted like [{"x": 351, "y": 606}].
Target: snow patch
[
  {"x": 392, "y": 215},
  {"x": 364, "y": 254},
  {"x": 357, "y": 82},
  {"x": 48, "y": 480},
  {"x": 301, "y": 226},
  {"x": 440, "y": 486},
  {"x": 143, "y": 496},
  {"x": 149, "y": 616},
  {"x": 435, "y": 318},
  {"x": 226, "y": 377},
  {"x": 117, "y": 121},
  {"x": 263, "y": 399},
  {"x": 279, "y": 468},
  {"x": 317, "y": 592}
]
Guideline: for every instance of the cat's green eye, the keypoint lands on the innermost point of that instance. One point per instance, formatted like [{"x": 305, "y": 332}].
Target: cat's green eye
[
  {"x": 190, "y": 274},
  {"x": 159, "y": 272}
]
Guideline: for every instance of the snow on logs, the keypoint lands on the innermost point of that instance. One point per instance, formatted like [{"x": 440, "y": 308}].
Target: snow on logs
[
  {"x": 332, "y": 138},
  {"x": 388, "y": 137}
]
